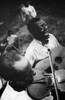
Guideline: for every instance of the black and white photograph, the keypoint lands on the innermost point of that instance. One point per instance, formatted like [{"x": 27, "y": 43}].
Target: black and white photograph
[{"x": 32, "y": 50}]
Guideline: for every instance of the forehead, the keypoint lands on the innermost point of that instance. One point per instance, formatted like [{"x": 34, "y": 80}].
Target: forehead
[{"x": 41, "y": 22}]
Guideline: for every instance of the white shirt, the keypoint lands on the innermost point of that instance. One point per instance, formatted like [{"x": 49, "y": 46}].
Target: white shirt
[
  {"x": 10, "y": 94},
  {"x": 36, "y": 51}
]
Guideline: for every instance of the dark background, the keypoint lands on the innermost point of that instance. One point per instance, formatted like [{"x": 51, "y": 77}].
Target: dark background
[
  {"x": 7, "y": 8},
  {"x": 10, "y": 10}
]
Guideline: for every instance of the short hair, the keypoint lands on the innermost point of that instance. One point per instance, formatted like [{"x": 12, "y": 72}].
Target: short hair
[
  {"x": 7, "y": 70},
  {"x": 36, "y": 30}
]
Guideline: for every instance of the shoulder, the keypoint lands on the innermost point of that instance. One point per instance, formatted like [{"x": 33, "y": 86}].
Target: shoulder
[
  {"x": 53, "y": 40},
  {"x": 51, "y": 36}
]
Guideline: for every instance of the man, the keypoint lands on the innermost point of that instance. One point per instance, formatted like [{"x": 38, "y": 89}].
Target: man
[
  {"x": 11, "y": 62},
  {"x": 17, "y": 71},
  {"x": 43, "y": 40}
]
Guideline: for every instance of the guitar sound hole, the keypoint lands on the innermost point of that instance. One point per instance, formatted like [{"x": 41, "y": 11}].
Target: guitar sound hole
[{"x": 58, "y": 60}]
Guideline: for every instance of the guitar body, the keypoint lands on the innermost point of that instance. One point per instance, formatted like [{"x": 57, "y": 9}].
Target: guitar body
[{"x": 45, "y": 63}]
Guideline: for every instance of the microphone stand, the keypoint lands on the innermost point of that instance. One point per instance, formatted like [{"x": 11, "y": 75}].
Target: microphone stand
[{"x": 53, "y": 74}]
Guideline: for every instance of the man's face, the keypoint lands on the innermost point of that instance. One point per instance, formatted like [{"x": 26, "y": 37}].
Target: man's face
[{"x": 42, "y": 25}]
